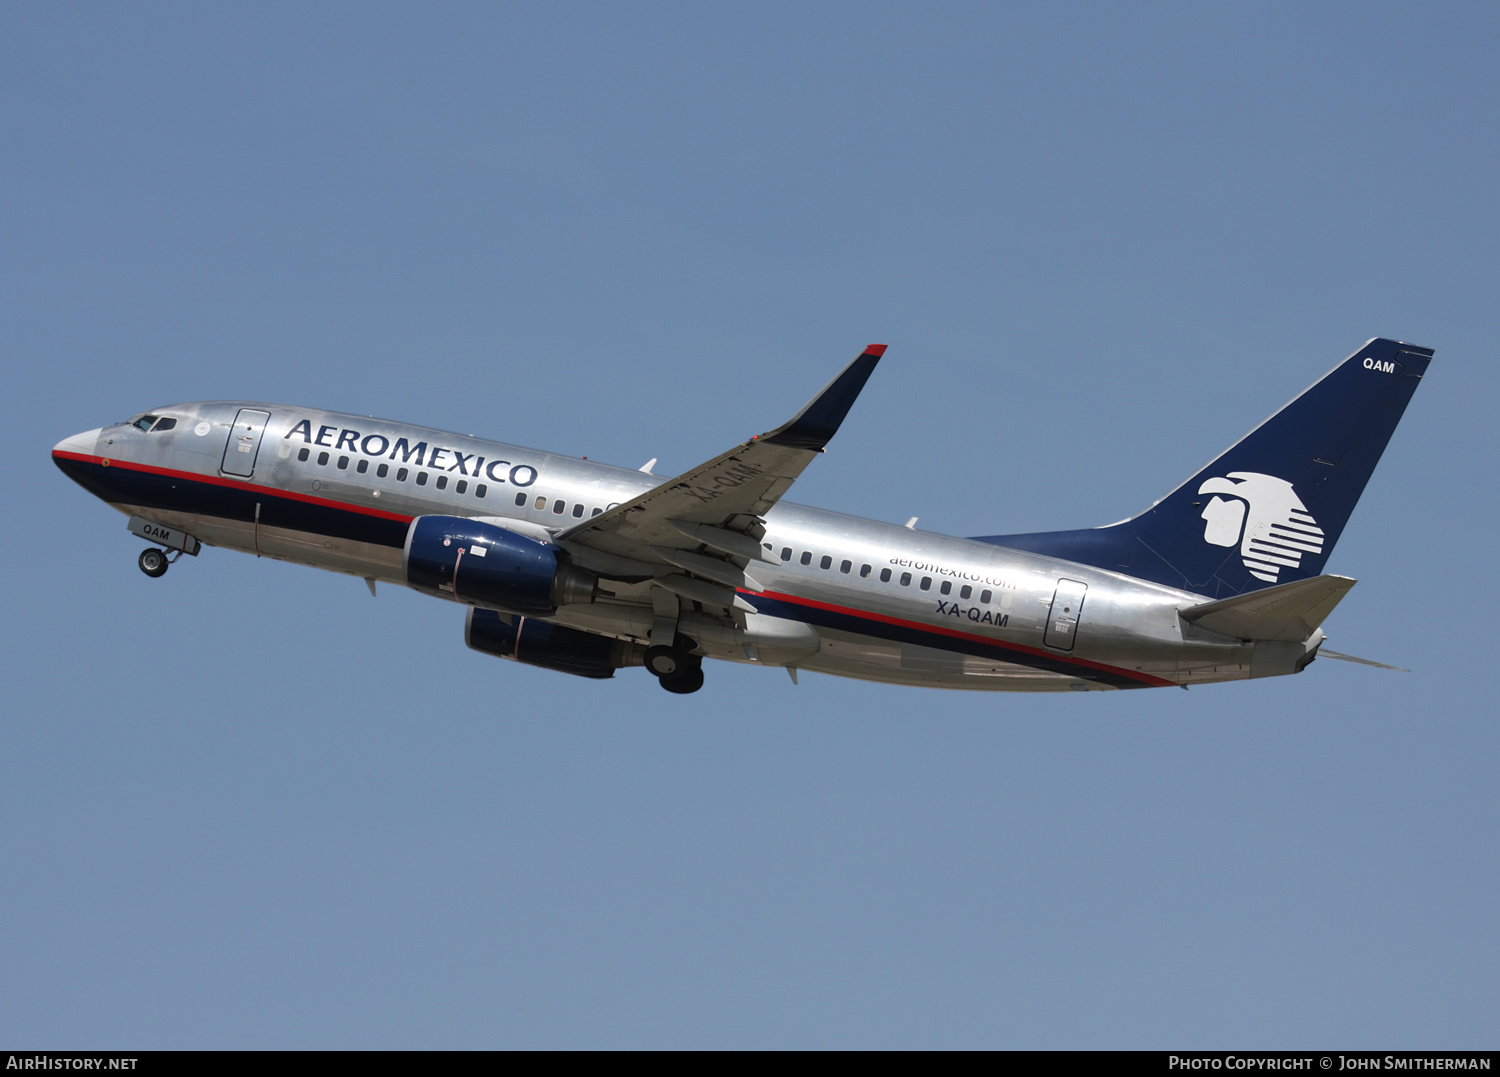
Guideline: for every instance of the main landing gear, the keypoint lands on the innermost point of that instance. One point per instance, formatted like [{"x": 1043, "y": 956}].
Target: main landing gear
[
  {"x": 155, "y": 562},
  {"x": 676, "y": 667}
]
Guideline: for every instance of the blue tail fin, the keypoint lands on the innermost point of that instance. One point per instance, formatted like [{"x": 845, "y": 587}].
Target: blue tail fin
[{"x": 1269, "y": 509}]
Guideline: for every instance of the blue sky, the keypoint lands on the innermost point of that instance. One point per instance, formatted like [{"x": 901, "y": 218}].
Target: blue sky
[{"x": 248, "y": 806}]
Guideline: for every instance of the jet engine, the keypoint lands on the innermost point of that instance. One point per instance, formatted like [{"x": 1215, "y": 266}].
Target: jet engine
[
  {"x": 481, "y": 564},
  {"x": 538, "y": 643}
]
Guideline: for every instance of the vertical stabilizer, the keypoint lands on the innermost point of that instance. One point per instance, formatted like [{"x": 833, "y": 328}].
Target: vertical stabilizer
[{"x": 1269, "y": 510}]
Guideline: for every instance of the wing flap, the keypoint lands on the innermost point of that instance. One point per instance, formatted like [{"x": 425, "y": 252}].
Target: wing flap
[
  {"x": 733, "y": 543},
  {"x": 710, "y": 594},
  {"x": 710, "y": 568}
]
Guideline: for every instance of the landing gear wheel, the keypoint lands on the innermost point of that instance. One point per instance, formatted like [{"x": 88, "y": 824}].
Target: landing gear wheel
[
  {"x": 684, "y": 683},
  {"x": 153, "y": 562},
  {"x": 670, "y": 661}
]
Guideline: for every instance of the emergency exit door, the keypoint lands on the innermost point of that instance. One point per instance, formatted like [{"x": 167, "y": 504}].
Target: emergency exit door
[
  {"x": 244, "y": 442},
  {"x": 1062, "y": 621}
]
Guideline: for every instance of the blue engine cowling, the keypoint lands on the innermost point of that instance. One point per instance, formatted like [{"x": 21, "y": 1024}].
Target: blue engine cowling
[
  {"x": 482, "y": 564},
  {"x": 539, "y": 643}
]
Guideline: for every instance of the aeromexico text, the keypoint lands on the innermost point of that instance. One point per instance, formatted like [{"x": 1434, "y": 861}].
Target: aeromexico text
[{"x": 403, "y": 451}]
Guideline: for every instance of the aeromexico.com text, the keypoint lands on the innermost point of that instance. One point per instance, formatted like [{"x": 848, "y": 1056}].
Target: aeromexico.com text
[{"x": 944, "y": 570}]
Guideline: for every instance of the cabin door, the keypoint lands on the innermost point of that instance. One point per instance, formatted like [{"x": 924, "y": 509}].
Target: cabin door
[
  {"x": 1062, "y": 621},
  {"x": 244, "y": 442}
]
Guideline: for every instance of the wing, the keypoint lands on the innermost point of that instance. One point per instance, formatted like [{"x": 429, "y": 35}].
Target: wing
[{"x": 719, "y": 504}]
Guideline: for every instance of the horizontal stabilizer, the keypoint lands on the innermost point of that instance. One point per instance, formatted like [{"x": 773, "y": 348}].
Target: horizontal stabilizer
[
  {"x": 1288, "y": 613},
  {"x": 1324, "y": 652}
]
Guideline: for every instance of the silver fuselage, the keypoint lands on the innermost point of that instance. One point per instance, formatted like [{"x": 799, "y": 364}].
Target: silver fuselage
[{"x": 929, "y": 610}]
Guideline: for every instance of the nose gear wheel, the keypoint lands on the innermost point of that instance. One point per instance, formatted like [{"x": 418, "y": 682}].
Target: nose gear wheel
[{"x": 153, "y": 562}]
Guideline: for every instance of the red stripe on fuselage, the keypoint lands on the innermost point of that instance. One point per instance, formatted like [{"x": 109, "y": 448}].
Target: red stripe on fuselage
[
  {"x": 796, "y": 600},
  {"x": 1021, "y": 648},
  {"x": 233, "y": 484}
]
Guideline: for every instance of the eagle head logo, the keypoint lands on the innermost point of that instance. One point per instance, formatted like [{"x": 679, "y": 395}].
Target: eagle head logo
[{"x": 1264, "y": 517}]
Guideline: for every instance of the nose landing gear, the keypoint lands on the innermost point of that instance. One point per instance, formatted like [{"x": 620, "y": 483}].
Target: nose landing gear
[{"x": 155, "y": 562}]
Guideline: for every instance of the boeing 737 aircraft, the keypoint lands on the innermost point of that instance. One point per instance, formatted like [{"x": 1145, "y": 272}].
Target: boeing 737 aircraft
[{"x": 585, "y": 568}]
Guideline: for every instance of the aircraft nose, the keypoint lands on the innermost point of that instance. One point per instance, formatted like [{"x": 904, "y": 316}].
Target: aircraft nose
[{"x": 79, "y": 444}]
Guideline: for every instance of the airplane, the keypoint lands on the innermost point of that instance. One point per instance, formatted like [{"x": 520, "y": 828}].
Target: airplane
[{"x": 586, "y": 568}]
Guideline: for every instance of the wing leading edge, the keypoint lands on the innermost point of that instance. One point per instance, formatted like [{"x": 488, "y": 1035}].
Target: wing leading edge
[{"x": 720, "y": 504}]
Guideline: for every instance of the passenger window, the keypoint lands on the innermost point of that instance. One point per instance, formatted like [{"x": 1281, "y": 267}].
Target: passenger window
[
  {"x": 520, "y": 501},
  {"x": 578, "y": 510},
  {"x": 984, "y": 596},
  {"x": 481, "y": 490},
  {"x": 541, "y": 503},
  {"x": 845, "y": 566},
  {"x": 558, "y": 506},
  {"x": 905, "y": 579},
  {"x": 163, "y": 424},
  {"x": 807, "y": 557},
  {"x": 421, "y": 478},
  {"x": 885, "y": 575},
  {"x": 864, "y": 571},
  {"x": 343, "y": 463},
  {"x": 827, "y": 562},
  {"x": 786, "y": 553},
  {"x": 401, "y": 475},
  {"x": 596, "y": 512},
  {"x": 442, "y": 483},
  {"x": 302, "y": 455},
  {"x": 322, "y": 458},
  {"x": 363, "y": 466},
  {"x": 927, "y": 583},
  {"x": 461, "y": 486},
  {"x": 965, "y": 591},
  {"x": 382, "y": 471},
  {"x": 947, "y": 587}
]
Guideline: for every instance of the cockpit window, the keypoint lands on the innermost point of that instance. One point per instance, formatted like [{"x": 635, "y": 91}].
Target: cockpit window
[
  {"x": 163, "y": 424},
  {"x": 144, "y": 422}
]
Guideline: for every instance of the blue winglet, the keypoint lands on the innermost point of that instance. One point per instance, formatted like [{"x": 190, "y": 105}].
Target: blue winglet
[{"x": 814, "y": 426}]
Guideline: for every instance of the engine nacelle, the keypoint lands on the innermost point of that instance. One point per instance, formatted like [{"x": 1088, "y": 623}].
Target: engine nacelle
[
  {"x": 481, "y": 564},
  {"x": 539, "y": 643}
]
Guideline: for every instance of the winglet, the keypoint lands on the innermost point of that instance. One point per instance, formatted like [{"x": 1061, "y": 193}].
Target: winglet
[{"x": 814, "y": 426}]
